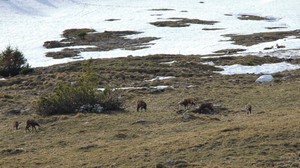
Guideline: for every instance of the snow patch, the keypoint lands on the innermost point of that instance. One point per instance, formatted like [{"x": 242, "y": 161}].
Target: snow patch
[
  {"x": 264, "y": 78},
  {"x": 211, "y": 63},
  {"x": 168, "y": 63},
  {"x": 161, "y": 78},
  {"x": 259, "y": 69}
]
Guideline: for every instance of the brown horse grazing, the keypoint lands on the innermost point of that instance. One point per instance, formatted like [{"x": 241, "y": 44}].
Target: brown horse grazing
[
  {"x": 16, "y": 124},
  {"x": 141, "y": 105},
  {"x": 206, "y": 108},
  {"x": 32, "y": 124},
  {"x": 187, "y": 102},
  {"x": 248, "y": 108}
]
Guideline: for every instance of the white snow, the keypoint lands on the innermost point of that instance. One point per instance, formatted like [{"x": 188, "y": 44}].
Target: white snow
[
  {"x": 27, "y": 24},
  {"x": 161, "y": 78},
  {"x": 123, "y": 88},
  {"x": 159, "y": 87},
  {"x": 259, "y": 69},
  {"x": 208, "y": 63},
  {"x": 264, "y": 78},
  {"x": 168, "y": 63}
]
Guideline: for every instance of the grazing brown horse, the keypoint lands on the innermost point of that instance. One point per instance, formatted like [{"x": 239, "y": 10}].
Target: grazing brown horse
[
  {"x": 32, "y": 124},
  {"x": 248, "y": 108},
  {"x": 187, "y": 102},
  {"x": 141, "y": 105},
  {"x": 16, "y": 125}
]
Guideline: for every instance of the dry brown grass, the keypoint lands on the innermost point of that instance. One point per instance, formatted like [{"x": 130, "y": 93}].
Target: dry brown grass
[
  {"x": 269, "y": 137},
  {"x": 257, "y": 38},
  {"x": 182, "y": 22}
]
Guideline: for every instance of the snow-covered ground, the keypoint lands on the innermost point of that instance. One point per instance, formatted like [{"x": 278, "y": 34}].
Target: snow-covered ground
[
  {"x": 260, "y": 69},
  {"x": 27, "y": 24}
]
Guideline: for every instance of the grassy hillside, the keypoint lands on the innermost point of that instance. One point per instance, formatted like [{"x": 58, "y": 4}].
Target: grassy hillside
[{"x": 160, "y": 137}]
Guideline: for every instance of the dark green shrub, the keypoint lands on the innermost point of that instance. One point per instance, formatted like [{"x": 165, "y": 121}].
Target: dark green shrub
[
  {"x": 67, "y": 98},
  {"x": 26, "y": 70},
  {"x": 82, "y": 34},
  {"x": 110, "y": 99},
  {"x": 12, "y": 62}
]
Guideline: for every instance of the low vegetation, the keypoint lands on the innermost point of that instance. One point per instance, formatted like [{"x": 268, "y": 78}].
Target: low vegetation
[
  {"x": 213, "y": 29},
  {"x": 159, "y": 137},
  {"x": 247, "y": 60},
  {"x": 182, "y": 22},
  {"x": 90, "y": 40},
  {"x": 82, "y": 96},
  {"x": 255, "y": 17},
  {"x": 257, "y": 38}
]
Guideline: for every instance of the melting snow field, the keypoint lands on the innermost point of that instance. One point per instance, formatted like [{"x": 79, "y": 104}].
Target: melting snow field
[{"x": 27, "y": 24}]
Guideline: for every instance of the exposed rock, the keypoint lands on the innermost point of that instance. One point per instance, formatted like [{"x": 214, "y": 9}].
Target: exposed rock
[
  {"x": 13, "y": 112},
  {"x": 97, "y": 108},
  {"x": 186, "y": 116},
  {"x": 85, "y": 108}
]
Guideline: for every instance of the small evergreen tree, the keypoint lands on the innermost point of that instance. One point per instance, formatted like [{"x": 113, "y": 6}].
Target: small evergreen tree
[{"x": 12, "y": 62}]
